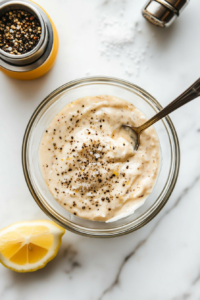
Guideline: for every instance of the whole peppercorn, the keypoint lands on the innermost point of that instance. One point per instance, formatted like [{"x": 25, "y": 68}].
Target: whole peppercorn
[{"x": 20, "y": 32}]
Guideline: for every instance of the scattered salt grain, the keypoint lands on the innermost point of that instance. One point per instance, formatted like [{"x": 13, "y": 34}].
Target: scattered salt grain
[{"x": 119, "y": 39}]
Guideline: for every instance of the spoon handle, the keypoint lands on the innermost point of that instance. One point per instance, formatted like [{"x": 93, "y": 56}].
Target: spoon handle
[{"x": 191, "y": 93}]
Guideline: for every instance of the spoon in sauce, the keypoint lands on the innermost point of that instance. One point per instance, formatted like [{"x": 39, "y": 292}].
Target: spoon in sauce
[{"x": 191, "y": 93}]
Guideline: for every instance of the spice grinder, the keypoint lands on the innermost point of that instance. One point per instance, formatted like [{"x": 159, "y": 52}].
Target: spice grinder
[
  {"x": 39, "y": 60},
  {"x": 163, "y": 12}
]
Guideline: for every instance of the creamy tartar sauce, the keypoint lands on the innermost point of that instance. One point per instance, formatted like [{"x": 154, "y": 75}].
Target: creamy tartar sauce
[{"x": 88, "y": 161}]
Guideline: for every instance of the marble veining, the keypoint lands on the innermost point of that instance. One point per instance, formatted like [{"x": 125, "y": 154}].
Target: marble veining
[
  {"x": 69, "y": 255},
  {"x": 142, "y": 242},
  {"x": 161, "y": 260}
]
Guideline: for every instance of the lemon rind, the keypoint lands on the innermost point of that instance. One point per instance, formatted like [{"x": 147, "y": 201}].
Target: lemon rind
[{"x": 46, "y": 259}]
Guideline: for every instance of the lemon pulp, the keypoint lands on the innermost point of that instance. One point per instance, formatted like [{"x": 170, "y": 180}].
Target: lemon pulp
[{"x": 28, "y": 246}]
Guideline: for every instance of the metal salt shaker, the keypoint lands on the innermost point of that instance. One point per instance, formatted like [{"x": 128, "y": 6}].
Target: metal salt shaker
[{"x": 163, "y": 12}]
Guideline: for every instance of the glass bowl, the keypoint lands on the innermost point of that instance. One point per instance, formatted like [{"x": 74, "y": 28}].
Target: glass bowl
[{"x": 51, "y": 105}]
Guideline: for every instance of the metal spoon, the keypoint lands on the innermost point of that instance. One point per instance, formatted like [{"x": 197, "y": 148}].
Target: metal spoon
[{"x": 191, "y": 93}]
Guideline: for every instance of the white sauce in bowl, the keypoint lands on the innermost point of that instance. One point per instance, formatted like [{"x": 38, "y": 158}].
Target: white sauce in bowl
[{"x": 88, "y": 161}]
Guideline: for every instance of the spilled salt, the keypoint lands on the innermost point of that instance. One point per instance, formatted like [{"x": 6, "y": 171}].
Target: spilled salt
[{"x": 122, "y": 39}]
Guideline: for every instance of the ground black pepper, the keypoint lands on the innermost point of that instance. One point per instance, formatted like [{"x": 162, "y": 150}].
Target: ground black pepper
[
  {"x": 88, "y": 169},
  {"x": 20, "y": 32}
]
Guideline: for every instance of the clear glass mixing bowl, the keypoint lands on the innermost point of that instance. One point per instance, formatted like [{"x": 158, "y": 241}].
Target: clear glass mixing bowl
[{"x": 51, "y": 105}]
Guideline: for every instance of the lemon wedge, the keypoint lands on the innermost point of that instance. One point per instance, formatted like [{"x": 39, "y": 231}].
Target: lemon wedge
[{"x": 29, "y": 246}]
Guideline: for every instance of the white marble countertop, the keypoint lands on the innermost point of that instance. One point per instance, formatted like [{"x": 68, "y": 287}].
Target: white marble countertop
[{"x": 161, "y": 260}]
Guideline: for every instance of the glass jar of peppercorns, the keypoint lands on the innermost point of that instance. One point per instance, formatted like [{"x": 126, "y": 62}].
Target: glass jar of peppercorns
[{"x": 28, "y": 40}]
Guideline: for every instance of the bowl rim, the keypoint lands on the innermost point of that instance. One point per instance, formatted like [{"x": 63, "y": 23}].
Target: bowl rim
[{"x": 157, "y": 205}]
